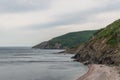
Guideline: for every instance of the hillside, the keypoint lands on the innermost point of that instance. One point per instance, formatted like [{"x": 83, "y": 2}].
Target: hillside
[
  {"x": 70, "y": 40},
  {"x": 103, "y": 48}
]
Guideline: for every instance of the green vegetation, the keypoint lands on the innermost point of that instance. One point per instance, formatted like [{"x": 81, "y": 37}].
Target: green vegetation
[
  {"x": 111, "y": 33},
  {"x": 104, "y": 48},
  {"x": 72, "y": 40}
]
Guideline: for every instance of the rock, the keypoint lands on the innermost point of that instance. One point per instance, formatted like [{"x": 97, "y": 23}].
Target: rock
[
  {"x": 103, "y": 48},
  {"x": 43, "y": 45}
]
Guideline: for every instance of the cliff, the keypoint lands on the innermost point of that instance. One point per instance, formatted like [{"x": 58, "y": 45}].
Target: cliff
[
  {"x": 70, "y": 40},
  {"x": 43, "y": 45},
  {"x": 103, "y": 47}
]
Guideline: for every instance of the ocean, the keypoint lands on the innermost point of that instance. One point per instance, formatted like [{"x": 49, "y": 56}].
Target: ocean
[{"x": 22, "y": 63}]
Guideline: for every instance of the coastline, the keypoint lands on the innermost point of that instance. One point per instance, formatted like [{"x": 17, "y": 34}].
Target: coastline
[{"x": 100, "y": 72}]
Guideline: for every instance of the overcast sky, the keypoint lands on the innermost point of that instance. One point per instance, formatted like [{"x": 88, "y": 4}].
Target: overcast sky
[{"x": 28, "y": 22}]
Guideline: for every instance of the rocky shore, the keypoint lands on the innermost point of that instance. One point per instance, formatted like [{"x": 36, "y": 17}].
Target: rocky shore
[{"x": 100, "y": 72}]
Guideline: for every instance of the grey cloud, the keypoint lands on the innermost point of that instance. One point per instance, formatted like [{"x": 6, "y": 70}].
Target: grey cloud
[
  {"x": 23, "y": 5},
  {"x": 62, "y": 20},
  {"x": 78, "y": 17},
  {"x": 107, "y": 7}
]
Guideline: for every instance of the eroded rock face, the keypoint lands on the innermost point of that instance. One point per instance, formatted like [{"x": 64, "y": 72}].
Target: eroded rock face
[
  {"x": 45, "y": 45},
  {"x": 98, "y": 52},
  {"x": 104, "y": 49}
]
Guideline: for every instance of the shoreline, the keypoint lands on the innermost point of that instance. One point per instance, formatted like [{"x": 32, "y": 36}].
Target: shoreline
[{"x": 100, "y": 72}]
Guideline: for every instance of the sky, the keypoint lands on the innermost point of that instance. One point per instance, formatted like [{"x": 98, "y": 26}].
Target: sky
[{"x": 29, "y": 22}]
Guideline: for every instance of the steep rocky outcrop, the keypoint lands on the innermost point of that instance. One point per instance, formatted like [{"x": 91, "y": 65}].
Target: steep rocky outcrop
[
  {"x": 46, "y": 45},
  {"x": 70, "y": 40},
  {"x": 103, "y": 47},
  {"x": 42, "y": 45}
]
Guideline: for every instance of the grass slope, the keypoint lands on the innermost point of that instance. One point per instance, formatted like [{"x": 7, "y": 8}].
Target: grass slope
[
  {"x": 73, "y": 39},
  {"x": 111, "y": 32}
]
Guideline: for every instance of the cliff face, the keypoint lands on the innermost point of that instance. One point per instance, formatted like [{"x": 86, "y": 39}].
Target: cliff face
[
  {"x": 103, "y": 48},
  {"x": 43, "y": 45},
  {"x": 70, "y": 40},
  {"x": 46, "y": 45}
]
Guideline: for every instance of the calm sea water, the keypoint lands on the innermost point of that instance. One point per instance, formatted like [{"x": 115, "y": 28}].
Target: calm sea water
[{"x": 36, "y": 64}]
